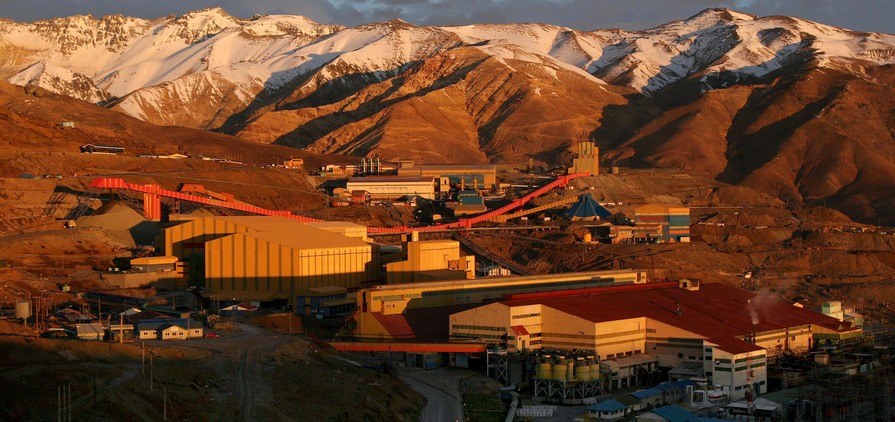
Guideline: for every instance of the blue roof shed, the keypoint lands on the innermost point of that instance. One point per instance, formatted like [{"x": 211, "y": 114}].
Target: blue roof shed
[
  {"x": 675, "y": 413},
  {"x": 610, "y": 405},
  {"x": 649, "y": 392}
]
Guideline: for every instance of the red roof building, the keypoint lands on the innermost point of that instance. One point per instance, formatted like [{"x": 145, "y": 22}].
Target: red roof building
[{"x": 717, "y": 331}]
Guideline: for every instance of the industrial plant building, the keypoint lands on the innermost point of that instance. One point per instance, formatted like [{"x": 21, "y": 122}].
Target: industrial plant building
[
  {"x": 479, "y": 177},
  {"x": 264, "y": 258},
  {"x": 588, "y": 160},
  {"x": 387, "y": 188},
  {"x": 710, "y": 331},
  {"x": 674, "y": 222},
  {"x": 383, "y": 310},
  {"x": 430, "y": 260},
  {"x": 622, "y": 330}
]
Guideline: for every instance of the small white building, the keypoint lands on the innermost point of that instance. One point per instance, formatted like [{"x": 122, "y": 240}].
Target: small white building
[
  {"x": 168, "y": 330},
  {"x": 173, "y": 332},
  {"x": 90, "y": 331}
]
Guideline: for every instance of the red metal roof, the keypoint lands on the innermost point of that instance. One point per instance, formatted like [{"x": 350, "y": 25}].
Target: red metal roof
[
  {"x": 519, "y": 330},
  {"x": 718, "y": 312},
  {"x": 428, "y": 324}
]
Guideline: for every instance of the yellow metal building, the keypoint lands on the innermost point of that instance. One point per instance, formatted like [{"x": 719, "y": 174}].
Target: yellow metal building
[
  {"x": 264, "y": 266},
  {"x": 431, "y": 260},
  {"x": 262, "y": 258},
  {"x": 588, "y": 160}
]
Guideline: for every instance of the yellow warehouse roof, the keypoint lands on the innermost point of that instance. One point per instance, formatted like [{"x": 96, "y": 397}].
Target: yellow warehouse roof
[
  {"x": 154, "y": 260},
  {"x": 294, "y": 234},
  {"x": 651, "y": 209},
  {"x": 261, "y": 222},
  {"x": 300, "y": 236},
  {"x": 336, "y": 225}
]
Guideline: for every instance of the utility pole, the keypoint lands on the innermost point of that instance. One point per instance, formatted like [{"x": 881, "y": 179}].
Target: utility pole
[
  {"x": 65, "y": 414},
  {"x": 151, "y": 372}
]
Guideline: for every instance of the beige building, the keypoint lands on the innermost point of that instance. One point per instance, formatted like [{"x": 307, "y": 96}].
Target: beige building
[
  {"x": 431, "y": 260},
  {"x": 394, "y": 187},
  {"x": 693, "y": 331},
  {"x": 384, "y": 311},
  {"x": 588, "y": 160},
  {"x": 480, "y": 177}
]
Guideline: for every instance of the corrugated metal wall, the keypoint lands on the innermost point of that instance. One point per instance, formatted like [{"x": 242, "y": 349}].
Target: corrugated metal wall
[
  {"x": 185, "y": 239},
  {"x": 244, "y": 266}
]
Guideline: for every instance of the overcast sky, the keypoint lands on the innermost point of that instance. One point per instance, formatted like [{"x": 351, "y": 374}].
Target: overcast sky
[{"x": 865, "y": 15}]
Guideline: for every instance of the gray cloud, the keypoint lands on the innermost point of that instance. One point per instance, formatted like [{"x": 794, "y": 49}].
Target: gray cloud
[{"x": 867, "y": 15}]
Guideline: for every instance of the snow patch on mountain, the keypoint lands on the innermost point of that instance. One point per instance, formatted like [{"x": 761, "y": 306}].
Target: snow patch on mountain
[{"x": 61, "y": 81}]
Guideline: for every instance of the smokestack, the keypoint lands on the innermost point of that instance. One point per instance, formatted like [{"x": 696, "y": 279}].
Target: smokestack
[{"x": 754, "y": 316}]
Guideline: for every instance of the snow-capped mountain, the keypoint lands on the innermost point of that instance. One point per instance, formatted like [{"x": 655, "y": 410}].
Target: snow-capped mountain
[
  {"x": 759, "y": 101},
  {"x": 154, "y": 65}
]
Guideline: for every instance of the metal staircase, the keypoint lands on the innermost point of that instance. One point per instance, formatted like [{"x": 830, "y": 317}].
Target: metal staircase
[
  {"x": 84, "y": 201},
  {"x": 56, "y": 200}
]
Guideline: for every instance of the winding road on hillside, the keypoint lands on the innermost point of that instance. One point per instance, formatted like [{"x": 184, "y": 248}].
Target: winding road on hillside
[{"x": 442, "y": 390}]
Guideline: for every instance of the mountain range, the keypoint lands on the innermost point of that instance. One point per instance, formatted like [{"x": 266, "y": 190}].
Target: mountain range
[{"x": 797, "y": 109}]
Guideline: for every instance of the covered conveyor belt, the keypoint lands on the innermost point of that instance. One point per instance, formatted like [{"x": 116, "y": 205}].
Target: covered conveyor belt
[{"x": 153, "y": 194}]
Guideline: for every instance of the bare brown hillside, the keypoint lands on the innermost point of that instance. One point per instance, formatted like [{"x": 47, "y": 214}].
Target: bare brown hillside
[
  {"x": 816, "y": 137},
  {"x": 34, "y": 140},
  {"x": 465, "y": 106}
]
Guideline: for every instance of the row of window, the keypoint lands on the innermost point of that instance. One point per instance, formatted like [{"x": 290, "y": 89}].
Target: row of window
[
  {"x": 622, "y": 354},
  {"x": 486, "y": 336},
  {"x": 476, "y": 327},
  {"x": 502, "y": 288},
  {"x": 620, "y": 334}
]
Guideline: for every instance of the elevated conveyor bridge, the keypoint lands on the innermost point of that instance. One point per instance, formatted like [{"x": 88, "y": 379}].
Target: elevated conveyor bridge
[{"x": 153, "y": 195}]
